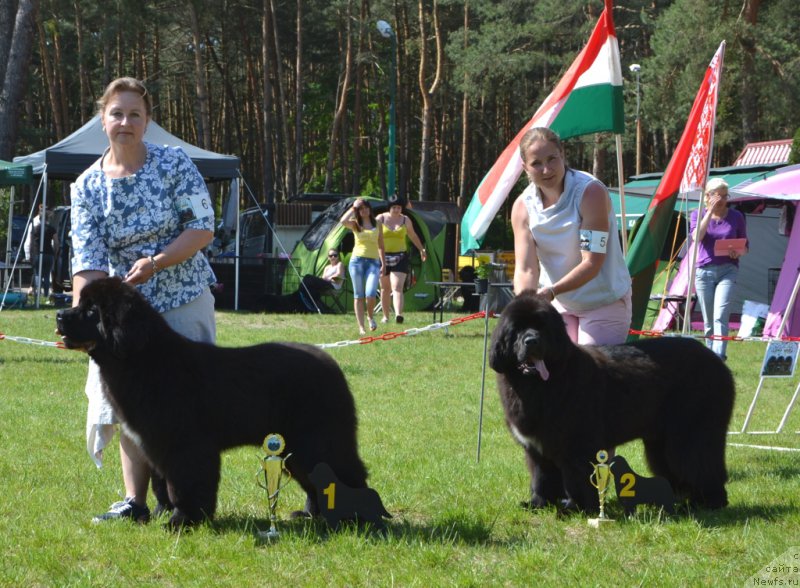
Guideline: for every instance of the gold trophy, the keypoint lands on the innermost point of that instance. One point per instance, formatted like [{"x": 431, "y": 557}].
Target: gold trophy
[
  {"x": 601, "y": 479},
  {"x": 273, "y": 468}
]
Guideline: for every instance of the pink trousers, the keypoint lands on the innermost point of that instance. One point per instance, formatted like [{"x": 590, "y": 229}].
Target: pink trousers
[{"x": 607, "y": 325}]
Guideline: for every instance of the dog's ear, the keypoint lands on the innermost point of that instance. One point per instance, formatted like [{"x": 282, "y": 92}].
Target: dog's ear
[
  {"x": 124, "y": 326},
  {"x": 501, "y": 351},
  {"x": 560, "y": 345}
]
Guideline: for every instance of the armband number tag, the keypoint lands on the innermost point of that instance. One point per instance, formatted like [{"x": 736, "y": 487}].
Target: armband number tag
[
  {"x": 194, "y": 207},
  {"x": 594, "y": 241}
]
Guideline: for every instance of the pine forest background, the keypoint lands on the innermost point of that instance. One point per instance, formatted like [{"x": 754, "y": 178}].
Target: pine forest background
[{"x": 299, "y": 89}]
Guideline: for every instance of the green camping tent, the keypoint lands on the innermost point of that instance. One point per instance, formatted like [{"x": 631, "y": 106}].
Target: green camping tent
[{"x": 310, "y": 254}]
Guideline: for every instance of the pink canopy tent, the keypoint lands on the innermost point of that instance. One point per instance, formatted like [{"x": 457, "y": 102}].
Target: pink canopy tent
[{"x": 784, "y": 185}]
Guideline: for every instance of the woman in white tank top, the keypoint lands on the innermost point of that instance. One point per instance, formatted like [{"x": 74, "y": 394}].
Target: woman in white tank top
[{"x": 566, "y": 244}]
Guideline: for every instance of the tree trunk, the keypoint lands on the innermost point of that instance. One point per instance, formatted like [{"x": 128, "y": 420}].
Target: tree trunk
[
  {"x": 462, "y": 192},
  {"x": 427, "y": 94},
  {"x": 16, "y": 75},
  {"x": 200, "y": 81},
  {"x": 7, "y": 10},
  {"x": 441, "y": 151},
  {"x": 404, "y": 77},
  {"x": 84, "y": 106},
  {"x": 49, "y": 78},
  {"x": 269, "y": 169},
  {"x": 598, "y": 156},
  {"x": 298, "y": 110},
  {"x": 341, "y": 107},
  {"x": 231, "y": 102},
  {"x": 358, "y": 108},
  {"x": 61, "y": 87},
  {"x": 288, "y": 175},
  {"x": 749, "y": 90}
]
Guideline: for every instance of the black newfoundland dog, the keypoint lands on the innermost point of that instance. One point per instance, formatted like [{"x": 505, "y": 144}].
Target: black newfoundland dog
[
  {"x": 187, "y": 401},
  {"x": 564, "y": 402}
]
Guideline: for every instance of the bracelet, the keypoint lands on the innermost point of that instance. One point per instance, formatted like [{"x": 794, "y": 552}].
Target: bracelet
[
  {"x": 552, "y": 293},
  {"x": 153, "y": 263}
]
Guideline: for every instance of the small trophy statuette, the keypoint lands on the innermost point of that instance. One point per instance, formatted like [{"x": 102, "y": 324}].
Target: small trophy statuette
[
  {"x": 273, "y": 468},
  {"x": 600, "y": 479}
]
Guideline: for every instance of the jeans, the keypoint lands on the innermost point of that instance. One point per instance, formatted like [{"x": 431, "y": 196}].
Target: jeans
[
  {"x": 47, "y": 267},
  {"x": 714, "y": 286},
  {"x": 365, "y": 275}
]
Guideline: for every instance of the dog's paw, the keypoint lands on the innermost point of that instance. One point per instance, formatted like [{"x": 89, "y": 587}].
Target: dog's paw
[
  {"x": 180, "y": 521},
  {"x": 300, "y": 514},
  {"x": 162, "y": 509},
  {"x": 535, "y": 503}
]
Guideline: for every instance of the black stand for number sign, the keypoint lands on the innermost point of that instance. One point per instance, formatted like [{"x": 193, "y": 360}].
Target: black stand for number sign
[
  {"x": 633, "y": 489},
  {"x": 338, "y": 502}
]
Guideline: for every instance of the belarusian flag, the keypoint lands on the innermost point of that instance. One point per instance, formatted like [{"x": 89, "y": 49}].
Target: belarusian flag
[
  {"x": 686, "y": 172},
  {"x": 588, "y": 99}
]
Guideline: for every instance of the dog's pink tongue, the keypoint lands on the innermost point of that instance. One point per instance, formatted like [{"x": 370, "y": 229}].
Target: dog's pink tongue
[{"x": 540, "y": 367}]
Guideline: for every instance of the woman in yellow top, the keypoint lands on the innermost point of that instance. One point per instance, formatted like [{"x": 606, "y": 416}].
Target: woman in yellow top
[
  {"x": 396, "y": 227},
  {"x": 367, "y": 260}
]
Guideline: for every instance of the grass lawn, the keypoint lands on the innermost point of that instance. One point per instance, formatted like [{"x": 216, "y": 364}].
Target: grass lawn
[{"x": 456, "y": 522}]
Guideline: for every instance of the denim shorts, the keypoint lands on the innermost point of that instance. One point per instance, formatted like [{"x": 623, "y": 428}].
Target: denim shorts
[{"x": 365, "y": 275}]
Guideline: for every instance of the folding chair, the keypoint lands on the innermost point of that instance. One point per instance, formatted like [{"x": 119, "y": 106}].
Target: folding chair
[{"x": 337, "y": 299}]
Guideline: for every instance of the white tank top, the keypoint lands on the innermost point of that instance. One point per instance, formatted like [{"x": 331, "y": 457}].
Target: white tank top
[{"x": 556, "y": 231}]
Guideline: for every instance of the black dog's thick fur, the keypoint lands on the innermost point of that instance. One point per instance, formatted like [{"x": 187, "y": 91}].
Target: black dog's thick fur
[
  {"x": 673, "y": 393},
  {"x": 188, "y": 401}
]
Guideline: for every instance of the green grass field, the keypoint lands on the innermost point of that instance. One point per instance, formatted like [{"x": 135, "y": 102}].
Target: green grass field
[{"x": 456, "y": 522}]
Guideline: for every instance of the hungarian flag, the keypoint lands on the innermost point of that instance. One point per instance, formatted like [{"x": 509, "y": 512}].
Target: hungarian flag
[
  {"x": 588, "y": 99},
  {"x": 686, "y": 173}
]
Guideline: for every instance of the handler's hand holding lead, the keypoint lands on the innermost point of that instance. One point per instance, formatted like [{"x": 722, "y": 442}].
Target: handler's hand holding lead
[{"x": 140, "y": 272}]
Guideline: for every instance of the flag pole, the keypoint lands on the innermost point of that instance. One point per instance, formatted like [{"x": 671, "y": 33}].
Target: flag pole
[
  {"x": 687, "y": 311},
  {"x": 621, "y": 177}
]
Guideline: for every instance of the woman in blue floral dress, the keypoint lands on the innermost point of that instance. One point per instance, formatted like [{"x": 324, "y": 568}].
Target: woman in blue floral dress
[{"x": 141, "y": 212}]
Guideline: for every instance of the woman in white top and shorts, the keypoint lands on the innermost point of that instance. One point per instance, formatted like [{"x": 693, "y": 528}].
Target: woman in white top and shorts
[{"x": 564, "y": 224}]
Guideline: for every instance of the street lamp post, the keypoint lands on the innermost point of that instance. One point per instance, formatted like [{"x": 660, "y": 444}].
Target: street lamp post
[
  {"x": 636, "y": 68},
  {"x": 386, "y": 31}
]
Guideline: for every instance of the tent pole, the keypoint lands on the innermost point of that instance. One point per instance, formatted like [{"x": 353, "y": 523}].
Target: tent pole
[
  {"x": 40, "y": 260},
  {"x": 621, "y": 183},
  {"x": 8, "y": 274},
  {"x": 235, "y": 193},
  {"x": 789, "y": 305},
  {"x": 10, "y": 226}
]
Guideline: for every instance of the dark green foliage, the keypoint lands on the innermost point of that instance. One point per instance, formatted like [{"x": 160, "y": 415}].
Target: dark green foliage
[
  {"x": 794, "y": 153},
  {"x": 506, "y": 62}
]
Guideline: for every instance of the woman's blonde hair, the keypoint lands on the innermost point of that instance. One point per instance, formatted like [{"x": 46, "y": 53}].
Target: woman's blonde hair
[
  {"x": 125, "y": 85},
  {"x": 716, "y": 184},
  {"x": 539, "y": 134}
]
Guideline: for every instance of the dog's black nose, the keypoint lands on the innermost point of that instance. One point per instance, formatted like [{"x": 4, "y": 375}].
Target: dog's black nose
[
  {"x": 530, "y": 339},
  {"x": 60, "y": 321}
]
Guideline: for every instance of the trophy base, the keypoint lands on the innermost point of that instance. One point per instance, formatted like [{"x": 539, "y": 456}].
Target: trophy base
[
  {"x": 599, "y": 522},
  {"x": 271, "y": 535}
]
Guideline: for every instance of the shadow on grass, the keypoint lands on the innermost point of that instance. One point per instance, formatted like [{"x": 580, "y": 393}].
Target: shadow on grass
[
  {"x": 737, "y": 515},
  {"x": 782, "y": 472},
  {"x": 732, "y": 515},
  {"x": 453, "y": 530},
  {"x": 463, "y": 530},
  {"x": 43, "y": 359}
]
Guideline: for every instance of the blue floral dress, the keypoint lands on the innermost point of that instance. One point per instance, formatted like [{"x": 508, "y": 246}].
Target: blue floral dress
[{"x": 116, "y": 221}]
